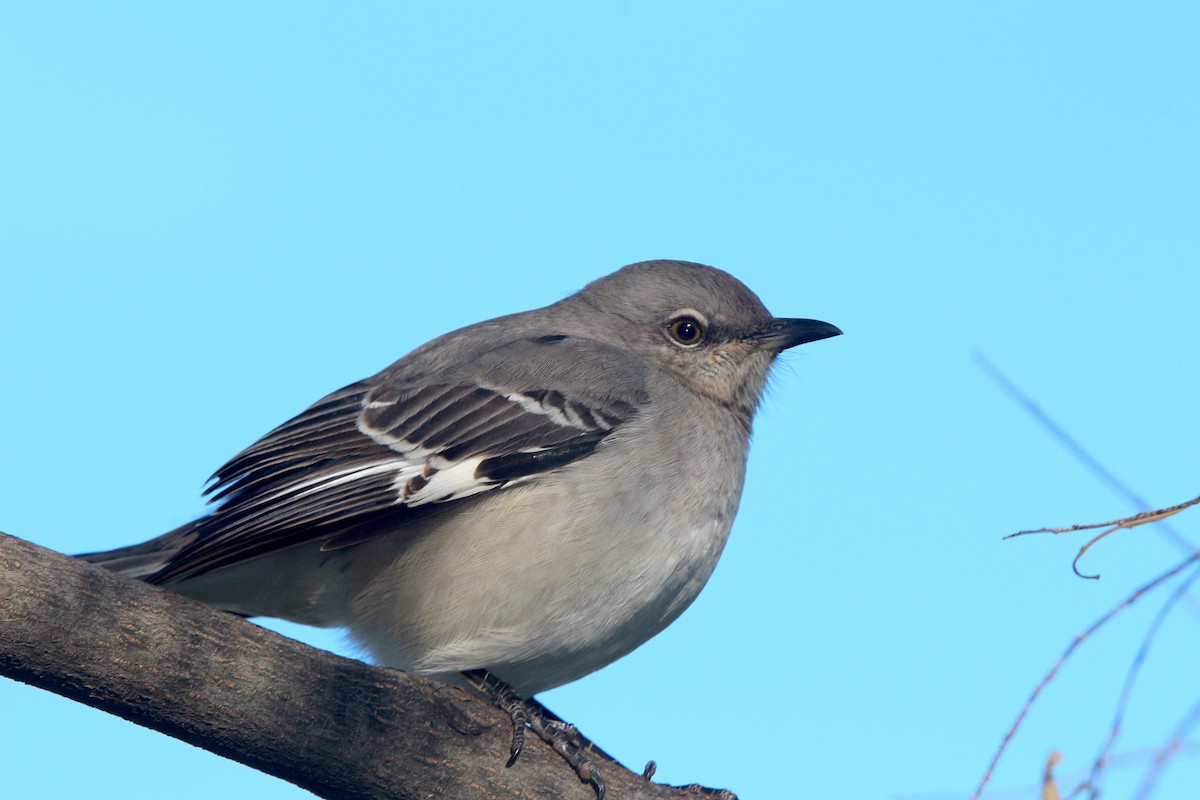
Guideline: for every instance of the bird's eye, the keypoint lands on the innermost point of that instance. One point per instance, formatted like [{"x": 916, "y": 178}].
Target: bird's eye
[{"x": 686, "y": 330}]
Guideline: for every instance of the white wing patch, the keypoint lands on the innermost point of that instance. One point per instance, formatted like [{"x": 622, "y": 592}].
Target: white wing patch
[
  {"x": 333, "y": 479},
  {"x": 563, "y": 415},
  {"x": 422, "y": 475},
  {"x": 452, "y": 482}
]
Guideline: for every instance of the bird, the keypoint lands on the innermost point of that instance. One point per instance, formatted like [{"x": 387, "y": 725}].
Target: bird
[{"x": 528, "y": 498}]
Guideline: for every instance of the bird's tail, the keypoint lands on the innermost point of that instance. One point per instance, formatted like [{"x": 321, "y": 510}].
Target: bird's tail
[{"x": 142, "y": 561}]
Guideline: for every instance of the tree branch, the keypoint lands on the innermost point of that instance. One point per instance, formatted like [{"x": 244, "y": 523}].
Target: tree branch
[{"x": 334, "y": 726}]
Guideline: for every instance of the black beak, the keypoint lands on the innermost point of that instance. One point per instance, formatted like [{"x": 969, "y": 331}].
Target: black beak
[{"x": 784, "y": 333}]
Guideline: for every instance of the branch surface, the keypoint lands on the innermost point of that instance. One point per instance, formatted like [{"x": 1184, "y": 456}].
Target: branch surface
[{"x": 334, "y": 726}]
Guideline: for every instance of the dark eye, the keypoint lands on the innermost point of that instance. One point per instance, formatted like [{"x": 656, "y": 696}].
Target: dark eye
[{"x": 686, "y": 330}]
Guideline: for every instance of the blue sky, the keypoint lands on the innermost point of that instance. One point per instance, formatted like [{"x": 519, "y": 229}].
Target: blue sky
[{"x": 212, "y": 215}]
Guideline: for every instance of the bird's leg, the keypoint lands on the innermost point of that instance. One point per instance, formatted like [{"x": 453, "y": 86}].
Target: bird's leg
[{"x": 565, "y": 738}]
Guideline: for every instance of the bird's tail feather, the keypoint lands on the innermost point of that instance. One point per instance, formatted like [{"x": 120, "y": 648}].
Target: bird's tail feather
[{"x": 142, "y": 561}]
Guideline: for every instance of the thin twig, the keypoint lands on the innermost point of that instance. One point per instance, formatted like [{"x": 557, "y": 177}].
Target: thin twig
[
  {"x": 1101, "y": 762},
  {"x": 1125, "y": 522},
  {"x": 1076, "y": 449},
  {"x": 1142, "y": 518},
  {"x": 1079, "y": 639},
  {"x": 1123, "y": 760}
]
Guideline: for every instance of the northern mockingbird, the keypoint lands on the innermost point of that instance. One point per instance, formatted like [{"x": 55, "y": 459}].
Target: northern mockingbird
[{"x": 533, "y": 496}]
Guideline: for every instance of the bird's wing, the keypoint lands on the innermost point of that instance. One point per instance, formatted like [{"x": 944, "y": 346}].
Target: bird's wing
[{"x": 369, "y": 458}]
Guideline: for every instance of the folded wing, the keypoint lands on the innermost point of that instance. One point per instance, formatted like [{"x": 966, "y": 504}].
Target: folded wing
[{"x": 378, "y": 454}]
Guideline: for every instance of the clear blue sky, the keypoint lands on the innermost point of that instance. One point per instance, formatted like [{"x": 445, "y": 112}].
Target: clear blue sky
[{"x": 212, "y": 215}]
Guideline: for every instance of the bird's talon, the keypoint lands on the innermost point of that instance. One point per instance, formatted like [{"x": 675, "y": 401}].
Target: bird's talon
[
  {"x": 514, "y": 752},
  {"x": 519, "y": 720},
  {"x": 598, "y": 783}
]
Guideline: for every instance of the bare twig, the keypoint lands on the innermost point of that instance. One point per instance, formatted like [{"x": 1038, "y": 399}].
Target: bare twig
[
  {"x": 1075, "y": 643},
  {"x": 1092, "y": 784},
  {"x": 1076, "y": 449},
  {"x": 1142, "y": 518},
  {"x": 1125, "y": 522},
  {"x": 1145, "y": 516}
]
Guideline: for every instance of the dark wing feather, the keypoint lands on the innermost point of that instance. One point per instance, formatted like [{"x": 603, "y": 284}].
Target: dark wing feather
[{"x": 377, "y": 454}]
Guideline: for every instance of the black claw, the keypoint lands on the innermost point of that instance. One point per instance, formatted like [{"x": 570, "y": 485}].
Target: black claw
[
  {"x": 518, "y": 741},
  {"x": 598, "y": 782},
  {"x": 650, "y": 769}
]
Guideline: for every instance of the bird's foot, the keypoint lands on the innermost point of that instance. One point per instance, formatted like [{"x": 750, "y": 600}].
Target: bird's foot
[
  {"x": 566, "y": 741},
  {"x": 565, "y": 738}
]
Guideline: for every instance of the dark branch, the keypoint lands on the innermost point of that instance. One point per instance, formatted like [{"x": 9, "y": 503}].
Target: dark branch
[{"x": 336, "y": 727}]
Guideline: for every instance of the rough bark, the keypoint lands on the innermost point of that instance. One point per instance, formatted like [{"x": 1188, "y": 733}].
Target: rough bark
[{"x": 334, "y": 726}]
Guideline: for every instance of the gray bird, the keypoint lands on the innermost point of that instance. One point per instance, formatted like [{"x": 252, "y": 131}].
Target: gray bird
[{"x": 534, "y": 496}]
